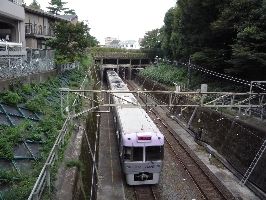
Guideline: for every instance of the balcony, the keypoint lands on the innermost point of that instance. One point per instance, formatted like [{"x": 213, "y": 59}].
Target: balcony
[
  {"x": 18, "y": 2},
  {"x": 38, "y": 31},
  {"x": 9, "y": 49}
]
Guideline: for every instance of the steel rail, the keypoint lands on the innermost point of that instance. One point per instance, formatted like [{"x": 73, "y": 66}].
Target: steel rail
[
  {"x": 144, "y": 193},
  {"x": 159, "y": 91},
  {"x": 198, "y": 181}
]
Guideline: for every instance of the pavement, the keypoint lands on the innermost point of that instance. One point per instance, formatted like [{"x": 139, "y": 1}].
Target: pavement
[
  {"x": 110, "y": 185},
  {"x": 66, "y": 177}
]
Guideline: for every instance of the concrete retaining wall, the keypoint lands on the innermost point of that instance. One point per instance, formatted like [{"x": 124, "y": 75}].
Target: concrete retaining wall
[
  {"x": 31, "y": 78},
  {"x": 237, "y": 141}
]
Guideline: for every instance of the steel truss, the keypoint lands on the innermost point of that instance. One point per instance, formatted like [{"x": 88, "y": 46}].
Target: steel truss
[
  {"x": 205, "y": 99},
  {"x": 216, "y": 100}
]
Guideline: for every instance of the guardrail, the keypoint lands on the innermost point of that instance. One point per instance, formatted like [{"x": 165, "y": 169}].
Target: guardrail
[
  {"x": 18, "y": 2},
  {"x": 44, "y": 178},
  {"x": 10, "y": 46}
]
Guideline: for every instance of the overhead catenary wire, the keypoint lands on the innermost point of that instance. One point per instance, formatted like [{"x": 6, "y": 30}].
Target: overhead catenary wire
[{"x": 223, "y": 76}]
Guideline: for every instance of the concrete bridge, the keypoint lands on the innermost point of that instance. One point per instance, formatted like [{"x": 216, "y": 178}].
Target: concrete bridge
[{"x": 123, "y": 63}]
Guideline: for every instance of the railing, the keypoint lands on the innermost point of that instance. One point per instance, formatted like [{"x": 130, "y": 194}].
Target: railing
[
  {"x": 44, "y": 178},
  {"x": 18, "y": 2},
  {"x": 38, "y": 30},
  {"x": 13, "y": 64},
  {"x": 10, "y": 46}
]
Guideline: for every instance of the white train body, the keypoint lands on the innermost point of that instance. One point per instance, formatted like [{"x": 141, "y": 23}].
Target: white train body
[{"x": 140, "y": 141}]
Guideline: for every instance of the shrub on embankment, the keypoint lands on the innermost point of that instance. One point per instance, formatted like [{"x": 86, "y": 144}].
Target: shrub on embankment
[
  {"x": 165, "y": 74},
  {"x": 43, "y": 98},
  {"x": 237, "y": 141}
]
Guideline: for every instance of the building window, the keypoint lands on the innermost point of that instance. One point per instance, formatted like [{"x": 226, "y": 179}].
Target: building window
[
  {"x": 39, "y": 44},
  {"x": 40, "y": 30},
  {"x": 44, "y": 30},
  {"x": 35, "y": 28}
]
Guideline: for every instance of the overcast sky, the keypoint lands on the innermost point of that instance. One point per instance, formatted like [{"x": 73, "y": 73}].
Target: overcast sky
[{"x": 123, "y": 19}]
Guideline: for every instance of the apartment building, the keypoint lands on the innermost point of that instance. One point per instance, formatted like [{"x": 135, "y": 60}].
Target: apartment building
[
  {"x": 12, "y": 27},
  {"x": 108, "y": 41},
  {"x": 38, "y": 27},
  {"x": 129, "y": 44}
]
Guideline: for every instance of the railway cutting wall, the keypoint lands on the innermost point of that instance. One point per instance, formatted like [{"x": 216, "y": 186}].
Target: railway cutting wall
[{"x": 237, "y": 141}]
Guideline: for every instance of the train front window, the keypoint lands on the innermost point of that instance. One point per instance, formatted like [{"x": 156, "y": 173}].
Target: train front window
[
  {"x": 154, "y": 153},
  {"x": 127, "y": 153},
  {"x": 137, "y": 153}
]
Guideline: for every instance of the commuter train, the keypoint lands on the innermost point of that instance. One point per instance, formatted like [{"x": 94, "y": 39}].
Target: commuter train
[{"x": 141, "y": 144}]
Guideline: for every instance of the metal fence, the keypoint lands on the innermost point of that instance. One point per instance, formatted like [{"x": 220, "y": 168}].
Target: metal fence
[
  {"x": 18, "y": 2},
  {"x": 44, "y": 178},
  {"x": 35, "y": 61},
  {"x": 12, "y": 66}
]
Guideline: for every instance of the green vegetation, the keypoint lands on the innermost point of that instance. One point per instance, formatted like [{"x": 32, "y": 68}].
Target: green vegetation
[
  {"x": 10, "y": 136},
  {"x": 74, "y": 163},
  {"x": 168, "y": 75},
  {"x": 165, "y": 74},
  {"x": 44, "y": 98},
  {"x": 58, "y": 6},
  {"x": 214, "y": 161},
  {"x": 26, "y": 88},
  {"x": 113, "y": 52},
  {"x": 12, "y": 98},
  {"x": 71, "y": 41},
  {"x": 35, "y": 5},
  {"x": 95, "y": 50},
  {"x": 224, "y": 36},
  {"x": 9, "y": 176}
]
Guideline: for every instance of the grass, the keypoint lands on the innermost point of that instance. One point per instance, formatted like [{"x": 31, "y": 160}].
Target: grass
[
  {"x": 214, "y": 161},
  {"x": 42, "y": 98},
  {"x": 12, "y": 98},
  {"x": 74, "y": 163},
  {"x": 169, "y": 74},
  {"x": 165, "y": 74}
]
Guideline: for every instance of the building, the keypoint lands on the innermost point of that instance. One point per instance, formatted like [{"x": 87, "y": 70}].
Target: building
[
  {"x": 23, "y": 32},
  {"x": 129, "y": 44},
  {"x": 115, "y": 43},
  {"x": 24, "y": 27},
  {"x": 38, "y": 26},
  {"x": 12, "y": 28},
  {"x": 71, "y": 18},
  {"x": 108, "y": 41}
]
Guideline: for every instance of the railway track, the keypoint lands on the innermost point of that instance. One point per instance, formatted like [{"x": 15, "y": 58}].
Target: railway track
[
  {"x": 206, "y": 182},
  {"x": 199, "y": 177},
  {"x": 144, "y": 193}
]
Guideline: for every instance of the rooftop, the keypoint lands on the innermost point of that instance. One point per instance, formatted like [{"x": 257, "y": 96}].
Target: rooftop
[{"x": 46, "y": 14}]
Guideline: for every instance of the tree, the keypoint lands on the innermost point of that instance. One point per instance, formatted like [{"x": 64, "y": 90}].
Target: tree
[
  {"x": 57, "y": 7},
  {"x": 151, "y": 40},
  {"x": 70, "y": 12},
  {"x": 35, "y": 5},
  {"x": 167, "y": 31},
  {"x": 227, "y": 36},
  {"x": 71, "y": 41},
  {"x": 245, "y": 19}
]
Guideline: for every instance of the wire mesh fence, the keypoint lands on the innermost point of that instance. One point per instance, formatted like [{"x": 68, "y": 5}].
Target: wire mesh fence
[{"x": 35, "y": 61}]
